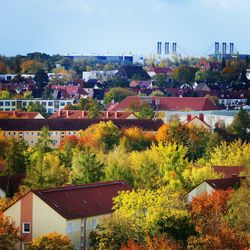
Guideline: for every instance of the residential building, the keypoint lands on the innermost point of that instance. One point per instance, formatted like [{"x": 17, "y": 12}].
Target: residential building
[
  {"x": 167, "y": 103},
  {"x": 50, "y": 104},
  {"x": 29, "y": 129},
  {"x": 73, "y": 210},
  {"x": 159, "y": 71},
  {"x": 141, "y": 84},
  {"x": 196, "y": 121},
  {"x": 84, "y": 114},
  {"x": 20, "y": 115},
  {"x": 131, "y": 71},
  {"x": 208, "y": 186}
]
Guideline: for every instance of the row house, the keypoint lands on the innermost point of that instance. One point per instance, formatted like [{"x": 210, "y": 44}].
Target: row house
[
  {"x": 29, "y": 129},
  {"x": 50, "y": 105}
]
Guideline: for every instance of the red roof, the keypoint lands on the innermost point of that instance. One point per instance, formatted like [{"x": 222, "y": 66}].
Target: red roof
[
  {"x": 229, "y": 171},
  {"x": 225, "y": 183},
  {"x": 168, "y": 103},
  {"x": 85, "y": 200},
  {"x": 83, "y": 114},
  {"x": 17, "y": 115}
]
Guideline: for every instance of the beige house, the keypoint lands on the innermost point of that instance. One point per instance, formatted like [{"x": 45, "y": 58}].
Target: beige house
[
  {"x": 196, "y": 121},
  {"x": 208, "y": 186},
  {"x": 74, "y": 211},
  {"x": 29, "y": 129}
]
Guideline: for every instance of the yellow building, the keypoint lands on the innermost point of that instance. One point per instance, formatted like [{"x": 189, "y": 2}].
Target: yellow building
[{"x": 74, "y": 211}]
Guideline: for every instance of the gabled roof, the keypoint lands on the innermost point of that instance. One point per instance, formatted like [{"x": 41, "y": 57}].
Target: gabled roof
[
  {"x": 229, "y": 171},
  {"x": 225, "y": 183},
  {"x": 74, "y": 124},
  {"x": 16, "y": 181},
  {"x": 169, "y": 103},
  {"x": 161, "y": 70},
  {"x": 81, "y": 201},
  {"x": 18, "y": 115},
  {"x": 83, "y": 114},
  {"x": 129, "y": 71}
]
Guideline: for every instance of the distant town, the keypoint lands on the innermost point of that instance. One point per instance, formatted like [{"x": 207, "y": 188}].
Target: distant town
[{"x": 125, "y": 152}]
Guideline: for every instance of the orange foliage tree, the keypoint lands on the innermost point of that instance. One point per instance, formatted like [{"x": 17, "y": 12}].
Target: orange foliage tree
[
  {"x": 31, "y": 67},
  {"x": 8, "y": 233}
]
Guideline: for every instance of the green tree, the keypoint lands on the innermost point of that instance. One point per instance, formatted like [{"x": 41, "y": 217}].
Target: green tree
[
  {"x": 37, "y": 107},
  {"x": 117, "y": 94},
  {"x": 41, "y": 79},
  {"x": 5, "y": 94},
  {"x": 85, "y": 167},
  {"x": 184, "y": 74}
]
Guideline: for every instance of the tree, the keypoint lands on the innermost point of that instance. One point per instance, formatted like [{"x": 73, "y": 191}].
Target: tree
[
  {"x": 27, "y": 95},
  {"x": 161, "y": 81},
  {"x": 51, "y": 241},
  {"x": 142, "y": 110},
  {"x": 184, "y": 74},
  {"x": 41, "y": 79},
  {"x": 5, "y": 94},
  {"x": 31, "y": 67},
  {"x": 85, "y": 167},
  {"x": 36, "y": 107},
  {"x": 117, "y": 95},
  {"x": 104, "y": 135},
  {"x": 8, "y": 233}
]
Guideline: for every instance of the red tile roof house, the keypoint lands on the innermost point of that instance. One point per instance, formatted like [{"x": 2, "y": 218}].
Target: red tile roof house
[
  {"x": 198, "y": 121},
  {"x": 20, "y": 115},
  {"x": 83, "y": 114},
  {"x": 74, "y": 211},
  {"x": 208, "y": 186},
  {"x": 167, "y": 103}
]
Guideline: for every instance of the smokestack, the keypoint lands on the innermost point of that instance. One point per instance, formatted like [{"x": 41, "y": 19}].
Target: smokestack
[
  {"x": 174, "y": 48},
  {"x": 167, "y": 48},
  {"x": 231, "y": 48},
  {"x": 217, "y": 48},
  {"x": 224, "y": 48},
  {"x": 159, "y": 47}
]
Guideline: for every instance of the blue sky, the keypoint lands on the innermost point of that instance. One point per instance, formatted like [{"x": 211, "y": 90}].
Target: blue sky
[{"x": 122, "y": 26}]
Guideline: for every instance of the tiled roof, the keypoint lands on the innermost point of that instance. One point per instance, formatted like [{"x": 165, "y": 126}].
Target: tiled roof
[
  {"x": 83, "y": 114},
  {"x": 161, "y": 70},
  {"x": 74, "y": 124},
  {"x": 81, "y": 201},
  {"x": 17, "y": 115},
  {"x": 229, "y": 171},
  {"x": 169, "y": 103},
  {"x": 225, "y": 183},
  {"x": 16, "y": 181}
]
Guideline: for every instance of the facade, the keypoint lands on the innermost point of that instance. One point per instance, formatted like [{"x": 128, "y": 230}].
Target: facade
[
  {"x": 74, "y": 211},
  {"x": 50, "y": 105},
  {"x": 29, "y": 129}
]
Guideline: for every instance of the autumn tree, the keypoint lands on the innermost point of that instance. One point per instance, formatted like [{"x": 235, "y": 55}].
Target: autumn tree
[
  {"x": 52, "y": 240},
  {"x": 8, "y": 233},
  {"x": 5, "y": 94},
  {"x": 117, "y": 94},
  {"x": 85, "y": 167},
  {"x": 142, "y": 110},
  {"x": 184, "y": 74},
  {"x": 31, "y": 67}
]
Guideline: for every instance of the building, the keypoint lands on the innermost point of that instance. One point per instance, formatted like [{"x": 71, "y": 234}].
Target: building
[
  {"x": 74, "y": 211},
  {"x": 29, "y": 129},
  {"x": 132, "y": 71},
  {"x": 83, "y": 114},
  {"x": 50, "y": 105},
  {"x": 99, "y": 75},
  {"x": 208, "y": 186},
  {"x": 20, "y": 115},
  {"x": 196, "y": 121},
  {"x": 159, "y": 71},
  {"x": 16, "y": 180},
  {"x": 141, "y": 84},
  {"x": 167, "y": 103}
]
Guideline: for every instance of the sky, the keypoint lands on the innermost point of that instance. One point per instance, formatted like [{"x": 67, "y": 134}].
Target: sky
[{"x": 122, "y": 26}]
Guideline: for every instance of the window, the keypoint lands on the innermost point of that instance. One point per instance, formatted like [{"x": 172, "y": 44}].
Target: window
[
  {"x": 13, "y": 103},
  {"x": 62, "y": 104},
  {"x": 7, "y": 103},
  {"x": 1, "y": 103},
  {"x": 24, "y": 104},
  {"x": 94, "y": 223},
  {"x": 26, "y": 228},
  {"x": 44, "y": 104},
  {"x": 50, "y": 103},
  {"x": 69, "y": 227}
]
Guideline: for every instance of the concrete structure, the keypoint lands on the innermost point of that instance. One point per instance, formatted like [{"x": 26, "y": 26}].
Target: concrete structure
[
  {"x": 50, "y": 105},
  {"x": 74, "y": 211}
]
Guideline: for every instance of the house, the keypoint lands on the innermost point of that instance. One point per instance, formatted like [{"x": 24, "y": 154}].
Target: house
[
  {"x": 229, "y": 171},
  {"x": 50, "y": 104},
  {"x": 29, "y": 129},
  {"x": 67, "y": 92},
  {"x": 208, "y": 186},
  {"x": 83, "y": 114},
  {"x": 73, "y": 210},
  {"x": 197, "y": 121},
  {"x": 20, "y": 115},
  {"x": 16, "y": 180},
  {"x": 166, "y": 103},
  {"x": 141, "y": 84},
  {"x": 159, "y": 71},
  {"x": 205, "y": 65},
  {"x": 131, "y": 71}
]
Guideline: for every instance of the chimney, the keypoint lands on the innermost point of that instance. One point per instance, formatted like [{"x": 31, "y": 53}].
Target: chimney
[
  {"x": 83, "y": 114},
  {"x": 59, "y": 113},
  {"x": 67, "y": 113},
  {"x": 189, "y": 118},
  {"x": 201, "y": 117},
  {"x": 234, "y": 175},
  {"x": 116, "y": 114},
  {"x": 107, "y": 114}
]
